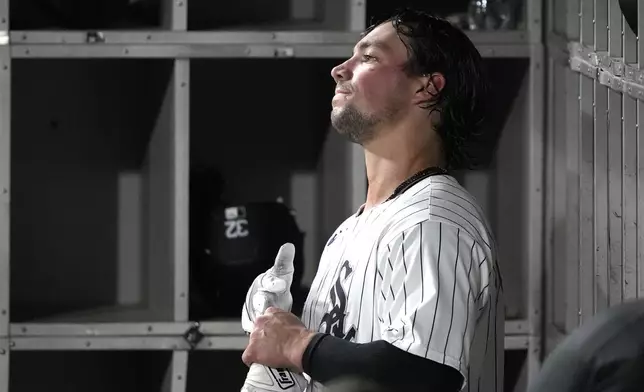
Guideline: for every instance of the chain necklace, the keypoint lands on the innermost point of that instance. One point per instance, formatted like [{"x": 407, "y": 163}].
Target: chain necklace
[{"x": 408, "y": 183}]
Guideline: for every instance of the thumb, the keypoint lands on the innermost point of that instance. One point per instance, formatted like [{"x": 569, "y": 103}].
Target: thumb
[
  {"x": 280, "y": 275},
  {"x": 284, "y": 260}
]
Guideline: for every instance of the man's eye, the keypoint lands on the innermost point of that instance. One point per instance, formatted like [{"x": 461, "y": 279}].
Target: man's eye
[{"x": 366, "y": 57}]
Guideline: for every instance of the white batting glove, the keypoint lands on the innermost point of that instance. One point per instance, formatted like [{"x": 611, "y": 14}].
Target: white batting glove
[
  {"x": 271, "y": 288},
  {"x": 261, "y": 378}
]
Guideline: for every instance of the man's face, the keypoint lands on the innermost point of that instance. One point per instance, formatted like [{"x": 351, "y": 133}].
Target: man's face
[{"x": 371, "y": 87}]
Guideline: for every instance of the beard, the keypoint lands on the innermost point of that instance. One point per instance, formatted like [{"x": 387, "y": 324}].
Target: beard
[{"x": 360, "y": 127}]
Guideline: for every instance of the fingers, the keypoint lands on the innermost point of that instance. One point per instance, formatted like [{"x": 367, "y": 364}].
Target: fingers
[
  {"x": 269, "y": 313},
  {"x": 271, "y": 310},
  {"x": 247, "y": 356}
]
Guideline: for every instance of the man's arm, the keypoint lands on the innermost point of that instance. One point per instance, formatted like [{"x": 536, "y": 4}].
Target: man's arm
[
  {"x": 329, "y": 358},
  {"x": 436, "y": 283}
]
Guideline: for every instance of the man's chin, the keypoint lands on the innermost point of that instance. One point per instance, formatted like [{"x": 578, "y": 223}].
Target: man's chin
[
  {"x": 350, "y": 124},
  {"x": 336, "y": 110},
  {"x": 350, "y": 135}
]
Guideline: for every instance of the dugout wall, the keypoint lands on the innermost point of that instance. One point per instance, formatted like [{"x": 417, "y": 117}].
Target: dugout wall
[
  {"x": 101, "y": 121},
  {"x": 594, "y": 172}
]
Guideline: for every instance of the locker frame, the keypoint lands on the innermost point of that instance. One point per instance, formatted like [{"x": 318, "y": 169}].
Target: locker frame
[
  {"x": 5, "y": 185},
  {"x": 100, "y": 343},
  {"x": 535, "y": 182},
  {"x": 181, "y": 140},
  {"x": 178, "y": 371},
  {"x": 535, "y": 24},
  {"x": 5, "y": 354},
  {"x": 4, "y": 18},
  {"x": 357, "y": 11},
  {"x": 174, "y": 14},
  {"x": 178, "y": 343},
  {"x": 224, "y": 44},
  {"x": 195, "y": 51},
  {"x": 176, "y": 19},
  {"x": 76, "y": 333},
  {"x": 5, "y": 177},
  {"x": 135, "y": 343},
  {"x": 108, "y": 329},
  {"x": 639, "y": 272},
  {"x": 534, "y": 185},
  {"x": 25, "y": 38}
]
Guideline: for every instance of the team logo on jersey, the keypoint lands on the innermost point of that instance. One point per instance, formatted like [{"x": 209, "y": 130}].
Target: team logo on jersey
[
  {"x": 283, "y": 377},
  {"x": 333, "y": 321}
]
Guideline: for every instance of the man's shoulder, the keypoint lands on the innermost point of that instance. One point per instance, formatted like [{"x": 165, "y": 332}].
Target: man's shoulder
[
  {"x": 434, "y": 201},
  {"x": 443, "y": 193}
]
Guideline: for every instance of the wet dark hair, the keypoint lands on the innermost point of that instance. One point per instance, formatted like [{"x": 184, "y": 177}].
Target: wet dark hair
[{"x": 436, "y": 46}]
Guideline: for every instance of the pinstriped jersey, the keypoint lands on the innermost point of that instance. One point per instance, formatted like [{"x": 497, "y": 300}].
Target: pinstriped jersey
[{"x": 420, "y": 272}]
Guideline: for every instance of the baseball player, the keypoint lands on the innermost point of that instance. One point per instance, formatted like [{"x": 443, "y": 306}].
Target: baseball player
[{"x": 407, "y": 294}]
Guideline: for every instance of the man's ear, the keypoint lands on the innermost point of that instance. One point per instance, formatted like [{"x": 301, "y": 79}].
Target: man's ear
[{"x": 428, "y": 87}]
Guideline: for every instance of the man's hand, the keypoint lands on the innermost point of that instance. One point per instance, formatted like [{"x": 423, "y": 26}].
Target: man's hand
[
  {"x": 270, "y": 288},
  {"x": 278, "y": 341}
]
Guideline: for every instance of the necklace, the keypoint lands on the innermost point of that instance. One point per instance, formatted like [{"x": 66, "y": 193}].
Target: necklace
[{"x": 408, "y": 183}]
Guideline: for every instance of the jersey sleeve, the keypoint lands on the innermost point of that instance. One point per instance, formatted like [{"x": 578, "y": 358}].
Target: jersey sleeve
[{"x": 433, "y": 292}]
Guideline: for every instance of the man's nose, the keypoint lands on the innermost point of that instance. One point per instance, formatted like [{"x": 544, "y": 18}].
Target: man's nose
[{"x": 341, "y": 72}]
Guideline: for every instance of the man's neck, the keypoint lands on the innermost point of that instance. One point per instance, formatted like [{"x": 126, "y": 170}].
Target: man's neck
[{"x": 392, "y": 164}]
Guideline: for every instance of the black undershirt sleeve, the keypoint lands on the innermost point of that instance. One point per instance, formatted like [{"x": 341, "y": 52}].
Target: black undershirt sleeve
[{"x": 328, "y": 358}]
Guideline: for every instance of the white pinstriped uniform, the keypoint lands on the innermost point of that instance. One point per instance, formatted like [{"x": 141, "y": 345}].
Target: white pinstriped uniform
[{"x": 420, "y": 272}]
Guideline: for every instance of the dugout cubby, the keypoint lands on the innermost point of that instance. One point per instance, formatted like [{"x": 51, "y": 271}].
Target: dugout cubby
[
  {"x": 88, "y": 15},
  {"x": 94, "y": 191},
  {"x": 98, "y": 371},
  {"x": 223, "y": 370},
  {"x": 278, "y": 15}
]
